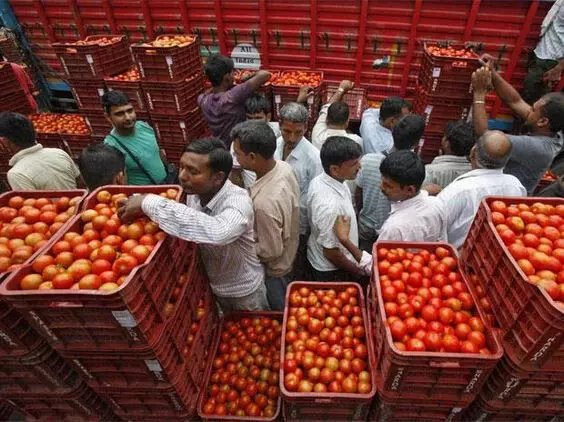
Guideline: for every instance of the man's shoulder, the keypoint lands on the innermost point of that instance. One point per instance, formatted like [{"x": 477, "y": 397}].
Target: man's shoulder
[{"x": 372, "y": 158}]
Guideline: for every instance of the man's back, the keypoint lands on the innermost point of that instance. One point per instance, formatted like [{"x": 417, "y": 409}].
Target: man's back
[
  {"x": 38, "y": 168},
  {"x": 375, "y": 205},
  {"x": 375, "y": 137},
  {"x": 445, "y": 168}
]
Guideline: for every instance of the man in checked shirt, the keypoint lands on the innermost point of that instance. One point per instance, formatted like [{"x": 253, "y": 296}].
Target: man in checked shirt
[{"x": 219, "y": 217}]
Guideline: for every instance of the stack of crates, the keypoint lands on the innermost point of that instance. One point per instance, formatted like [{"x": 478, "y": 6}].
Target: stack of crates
[
  {"x": 443, "y": 93},
  {"x": 528, "y": 383},
  {"x": 142, "y": 348},
  {"x": 172, "y": 79},
  {"x": 86, "y": 63},
  {"x": 12, "y": 96}
]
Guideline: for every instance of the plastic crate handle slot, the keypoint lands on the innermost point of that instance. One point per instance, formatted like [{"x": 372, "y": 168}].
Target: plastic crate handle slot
[
  {"x": 326, "y": 401},
  {"x": 66, "y": 305},
  {"x": 444, "y": 364}
]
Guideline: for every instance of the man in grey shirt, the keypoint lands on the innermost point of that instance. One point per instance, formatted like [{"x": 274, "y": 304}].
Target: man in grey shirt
[{"x": 531, "y": 154}]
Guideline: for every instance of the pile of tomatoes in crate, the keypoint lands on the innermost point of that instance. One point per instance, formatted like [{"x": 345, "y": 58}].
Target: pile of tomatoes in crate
[
  {"x": 27, "y": 224},
  {"x": 171, "y": 41},
  {"x": 101, "y": 254},
  {"x": 533, "y": 236},
  {"x": 450, "y": 52},
  {"x": 427, "y": 303},
  {"x": 131, "y": 75},
  {"x": 244, "y": 378},
  {"x": 325, "y": 342},
  {"x": 72, "y": 124},
  {"x": 297, "y": 78},
  {"x": 45, "y": 122},
  {"x": 100, "y": 41}
]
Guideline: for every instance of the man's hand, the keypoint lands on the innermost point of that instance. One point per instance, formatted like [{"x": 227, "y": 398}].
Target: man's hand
[
  {"x": 304, "y": 94},
  {"x": 433, "y": 189},
  {"x": 482, "y": 80},
  {"x": 342, "y": 228},
  {"x": 130, "y": 209},
  {"x": 346, "y": 85},
  {"x": 552, "y": 76},
  {"x": 488, "y": 61}
]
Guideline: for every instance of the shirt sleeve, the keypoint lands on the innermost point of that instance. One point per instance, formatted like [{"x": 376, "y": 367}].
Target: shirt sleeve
[
  {"x": 189, "y": 224},
  {"x": 390, "y": 233},
  {"x": 320, "y": 125},
  {"x": 323, "y": 217},
  {"x": 239, "y": 94},
  {"x": 365, "y": 264},
  {"x": 270, "y": 242},
  {"x": 369, "y": 120},
  {"x": 19, "y": 181}
]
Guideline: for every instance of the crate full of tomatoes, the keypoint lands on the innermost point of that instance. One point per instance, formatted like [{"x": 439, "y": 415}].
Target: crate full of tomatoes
[
  {"x": 328, "y": 361},
  {"x": 431, "y": 339},
  {"x": 95, "y": 57},
  {"x": 286, "y": 87},
  {"x": 515, "y": 250},
  {"x": 130, "y": 84},
  {"x": 171, "y": 99},
  {"x": 242, "y": 377},
  {"x": 169, "y": 58},
  {"x": 446, "y": 70}
]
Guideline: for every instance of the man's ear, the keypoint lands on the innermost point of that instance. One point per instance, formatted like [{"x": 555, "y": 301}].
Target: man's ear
[
  {"x": 543, "y": 122},
  {"x": 268, "y": 116},
  {"x": 120, "y": 178}
]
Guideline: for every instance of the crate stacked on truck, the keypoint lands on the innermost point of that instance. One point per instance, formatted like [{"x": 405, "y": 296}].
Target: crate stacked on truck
[
  {"x": 12, "y": 94},
  {"x": 513, "y": 254},
  {"x": 172, "y": 79},
  {"x": 443, "y": 91},
  {"x": 425, "y": 369},
  {"x": 121, "y": 335}
]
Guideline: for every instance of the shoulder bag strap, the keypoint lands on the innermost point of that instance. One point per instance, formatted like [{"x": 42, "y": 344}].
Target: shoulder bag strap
[{"x": 134, "y": 158}]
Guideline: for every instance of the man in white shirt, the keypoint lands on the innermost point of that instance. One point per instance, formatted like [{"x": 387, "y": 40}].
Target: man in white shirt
[
  {"x": 297, "y": 151},
  {"x": 329, "y": 197},
  {"x": 333, "y": 118},
  {"x": 546, "y": 63},
  {"x": 219, "y": 217},
  {"x": 377, "y": 123},
  {"x": 32, "y": 166},
  {"x": 373, "y": 205},
  {"x": 462, "y": 197},
  {"x": 258, "y": 108}
]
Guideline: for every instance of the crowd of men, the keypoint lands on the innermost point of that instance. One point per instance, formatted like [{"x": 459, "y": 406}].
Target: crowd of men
[{"x": 267, "y": 206}]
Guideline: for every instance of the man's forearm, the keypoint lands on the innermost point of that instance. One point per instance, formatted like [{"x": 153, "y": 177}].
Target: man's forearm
[
  {"x": 338, "y": 259},
  {"x": 337, "y": 96},
  {"x": 479, "y": 114},
  {"x": 506, "y": 92},
  {"x": 351, "y": 247}
]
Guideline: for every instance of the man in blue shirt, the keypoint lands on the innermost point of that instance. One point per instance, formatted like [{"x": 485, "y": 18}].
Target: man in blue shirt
[{"x": 377, "y": 124}]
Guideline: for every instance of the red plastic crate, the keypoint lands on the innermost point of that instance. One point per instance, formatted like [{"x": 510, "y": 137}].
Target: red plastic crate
[
  {"x": 283, "y": 94},
  {"x": 17, "y": 338},
  {"x": 78, "y": 404},
  {"x": 8, "y": 81},
  {"x": 127, "y": 318},
  {"x": 482, "y": 411},
  {"x": 438, "y": 110},
  {"x": 355, "y": 99},
  {"x": 234, "y": 316},
  {"x": 16, "y": 102},
  {"x": 429, "y": 145},
  {"x": 450, "y": 76},
  {"x": 11, "y": 51},
  {"x": 88, "y": 94},
  {"x": 454, "y": 376},
  {"x": 74, "y": 144},
  {"x": 132, "y": 89},
  {"x": 341, "y": 406},
  {"x": 97, "y": 122},
  {"x": 41, "y": 370},
  {"x": 5, "y": 198},
  {"x": 168, "y": 64},
  {"x": 532, "y": 325},
  {"x": 173, "y": 98},
  {"x": 94, "y": 61}
]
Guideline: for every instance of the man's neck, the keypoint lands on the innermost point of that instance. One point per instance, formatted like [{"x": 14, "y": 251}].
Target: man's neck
[
  {"x": 125, "y": 132},
  {"x": 207, "y": 197},
  {"x": 337, "y": 127},
  {"x": 338, "y": 179},
  {"x": 219, "y": 89},
  {"x": 264, "y": 169}
]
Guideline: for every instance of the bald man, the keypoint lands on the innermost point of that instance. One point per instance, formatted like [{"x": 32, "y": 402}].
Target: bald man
[{"x": 462, "y": 197}]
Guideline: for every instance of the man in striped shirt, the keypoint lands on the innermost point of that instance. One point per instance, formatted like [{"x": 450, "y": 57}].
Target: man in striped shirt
[{"x": 219, "y": 217}]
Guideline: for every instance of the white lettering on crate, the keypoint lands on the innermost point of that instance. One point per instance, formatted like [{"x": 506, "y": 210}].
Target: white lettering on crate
[
  {"x": 509, "y": 385},
  {"x": 473, "y": 381},
  {"x": 4, "y": 336},
  {"x": 124, "y": 318},
  {"x": 436, "y": 72},
  {"x": 397, "y": 379},
  {"x": 174, "y": 398},
  {"x": 543, "y": 349},
  {"x": 43, "y": 326},
  {"x": 90, "y": 61},
  {"x": 169, "y": 64},
  {"x": 155, "y": 367},
  {"x": 82, "y": 368}
]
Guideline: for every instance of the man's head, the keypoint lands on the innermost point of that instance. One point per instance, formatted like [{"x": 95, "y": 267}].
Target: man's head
[
  {"x": 254, "y": 143},
  {"x": 204, "y": 166},
  {"x": 492, "y": 151},
  {"x": 402, "y": 173},
  {"x": 459, "y": 138},
  {"x": 258, "y": 108},
  {"x": 338, "y": 115},
  {"x": 119, "y": 111},
  {"x": 392, "y": 109},
  {"x": 408, "y": 131},
  {"x": 340, "y": 157},
  {"x": 547, "y": 114},
  {"x": 101, "y": 165},
  {"x": 219, "y": 71},
  {"x": 293, "y": 123},
  {"x": 16, "y": 130}
]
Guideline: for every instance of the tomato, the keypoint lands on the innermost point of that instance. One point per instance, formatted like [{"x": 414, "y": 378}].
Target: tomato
[
  {"x": 101, "y": 265},
  {"x": 90, "y": 281},
  {"x": 141, "y": 253},
  {"x": 31, "y": 282},
  {"x": 64, "y": 259},
  {"x": 63, "y": 281},
  {"x": 124, "y": 264},
  {"x": 41, "y": 262}
]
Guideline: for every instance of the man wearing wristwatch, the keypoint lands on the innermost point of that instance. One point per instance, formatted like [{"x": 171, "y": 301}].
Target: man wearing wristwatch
[{"x": 532, "y": 153}]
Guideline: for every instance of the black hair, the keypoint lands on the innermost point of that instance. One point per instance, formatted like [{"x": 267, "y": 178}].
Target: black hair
[
  {"x": 217, "y": 67},
  {"x": 338, "y": 113},
  {"x": 257, "y": 103},
  {"x": 407, "y": 131},
  {"x": 553, "y": 110},
  {"x": 461, "y": 137},
  {"x": 17, "y": 128},
  {"x": 114, "y": 99},
  {"x": 338, "y": 149},
  {"x": 255, "y": 136},
  {"x": 392, "y": 107},
  {"x": 99, "y": 164},
  {"x": 404, "y": 167},
  {"x": 220, "y": 159}
]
